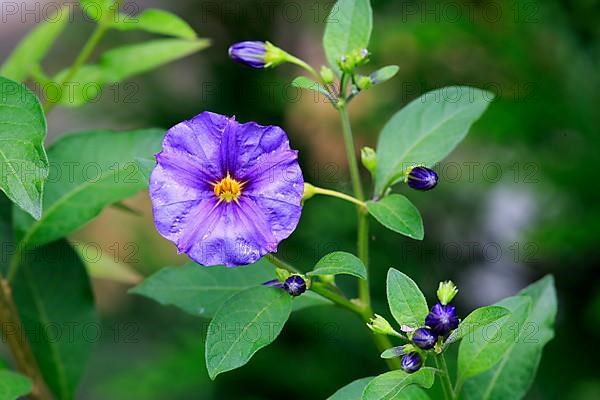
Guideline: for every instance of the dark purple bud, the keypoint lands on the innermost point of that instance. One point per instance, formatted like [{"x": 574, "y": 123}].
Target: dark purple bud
[
  {"x": 295, "y": 285},
  {"x": 422, "y": 178},
  {"x": 424, "y": 338},
  {"x": 442, "y": 319},
  {"x": 274, "y": 283},
  {"x": 250, "y": 53},
  {"x": 411, "y": 362}
]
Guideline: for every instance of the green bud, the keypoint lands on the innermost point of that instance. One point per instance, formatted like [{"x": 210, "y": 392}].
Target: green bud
[
  {"x": 368, "y": 157},
  {"x": 360, "y": 57},
  {"x": 446, "y": 292},
  {"x": 363, "y": 82},
  {"x": 379, "y": 325},
  {"x": 327, "y": 74},
  {"x": 274, "y": 55}
]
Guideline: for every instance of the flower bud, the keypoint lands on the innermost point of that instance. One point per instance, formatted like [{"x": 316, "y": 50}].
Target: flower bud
[
  {"x": 446, "y": 292},
  {"x": 422, "y": 178},
  {"x": 380, "y": 325},
  {"x": 442, "y": 319},
  {"x": 257, "y": 54},
  {"x": 295, "y": 285},
  {"x": 368, "y": 157},
  {"x": 360, "y": 57},
  {"x": 363, "y": 82},
  {"x": 424, "y": 339},
  {"x": 327, "y": 74},
  {"x": 411, "y": 362}
]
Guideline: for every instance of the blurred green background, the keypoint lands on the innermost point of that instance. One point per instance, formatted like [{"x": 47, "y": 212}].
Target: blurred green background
[{"x": 517, "y": 200}]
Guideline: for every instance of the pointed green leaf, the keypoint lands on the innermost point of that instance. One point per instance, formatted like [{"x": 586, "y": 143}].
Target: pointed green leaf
[
  {"x": 397, "y": 213},
  {"x": 303, "y": 82},
  {"x": 478, "y": 318},
  {"x": 121, "y": 63},
  {"x": 348, "y": 28},
  {"x": 155, "y": 21},
  {"x": 352, "y": 391},
  {"x": 56, "y": 306},
  {"x": 406, "y": 301},
  {"x": 391, "y": 385},
  {"x": 512, "y": 377},
  {"x": 244, "y": 324},
  {"x": 309, "y": 299},
  {"x": 202, "y": 290},
  {"x": 486, "y": 346},
  {"x": 340, "y": 262},
  {"x": 23, "y": 160},
  {"x": 34, "y": 47},
  {"x": 90, "y": 170},
  {"x": 427, "y": 130},
  {"x": 13, "y": 386}
]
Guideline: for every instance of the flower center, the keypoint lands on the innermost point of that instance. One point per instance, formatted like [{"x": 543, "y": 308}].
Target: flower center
[{"x": 228, "y": 189}]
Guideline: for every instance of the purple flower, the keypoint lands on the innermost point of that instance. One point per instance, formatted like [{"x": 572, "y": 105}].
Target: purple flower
[
  {"x": 411, "y": 362},
  {"x": 295, "y": 285},
  {"x": 224, "y": 192},
  {"x": 424, "y": 339},
  {"x": 422, "y": 178},
  {"x": 250, "y": 53},
  {"x": 442, "y": 319}
]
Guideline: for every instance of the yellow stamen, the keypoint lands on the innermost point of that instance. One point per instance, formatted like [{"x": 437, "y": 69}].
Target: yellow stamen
[{"x": 228, "y": 189}]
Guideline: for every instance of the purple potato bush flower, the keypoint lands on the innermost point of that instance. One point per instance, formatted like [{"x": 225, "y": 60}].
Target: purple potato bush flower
[
  {"x": 424, "y": 338},
  {"x": 224, "y": 192}
]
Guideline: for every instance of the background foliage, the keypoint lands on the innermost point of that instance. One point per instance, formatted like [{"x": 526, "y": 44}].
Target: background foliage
[{"x": 522, "y": 184}]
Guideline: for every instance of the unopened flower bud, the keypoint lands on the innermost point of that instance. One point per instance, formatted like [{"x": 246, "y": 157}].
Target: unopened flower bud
[
  {"x": 422, "y": 178},
  {"x": 442, "y": 319},
  {"x": 446, "y": 292},
  {"x": 368, "y": 157},
  {"x": 295, "y": 285},
  {"x": 363, "y": 82},
  {"x": 424, "y": 338},
  {"x": 411, "y": 362},
  {"x": 257, "y": 54},
  {"x": 327, "y": 74},
  {"x": 380, "y": 325}
]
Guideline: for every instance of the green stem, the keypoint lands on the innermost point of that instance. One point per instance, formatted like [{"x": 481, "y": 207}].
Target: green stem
[
  {"x": 440, "y": 362},
  {"x": 311, "y": 70},
  {"x": 279, "y": 263},
  {"x": 81, "y": 59},
  {"x": 333, "y": 193}
]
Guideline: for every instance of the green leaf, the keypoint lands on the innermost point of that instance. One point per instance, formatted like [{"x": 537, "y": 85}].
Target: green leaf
[
  {"x": 478, "y": 318},
  {"x": 406, "y": 301},
  {"x": 34, "y": 47},
  {"x": 348, "y": 28},
  {"x": 23, "y": 160},
  {"x": 202, "y": 290},
  {"x": 397, "y": 213},
  {"x": 90, "y": 170},
  {"x": 303, "y": 82},
  {"x": 390, "y": 385},
  {"x": 352, "y": 391},
  {"x": 340, "y": 262},
  {"x": 56, "y": 307},
  {"x": 426, "y": 131},
  {"x": 246, "y": 323},
  {"x": 485, "y": 347},
  {"x": 121, "y": 63},
  {"x": 512, "y": 377},
  {"x": 384, "y": 74},
  {"x": 155, "y": 21},
  {"x": 13, "y": 385}
]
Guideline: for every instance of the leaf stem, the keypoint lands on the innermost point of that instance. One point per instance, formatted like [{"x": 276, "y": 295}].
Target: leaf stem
[
  {"x": 440, "y": 362},
  {"x": 279, "y": 263},
  {"x": 311, "y": 70},
  {"x": 15, "y": 337}
]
